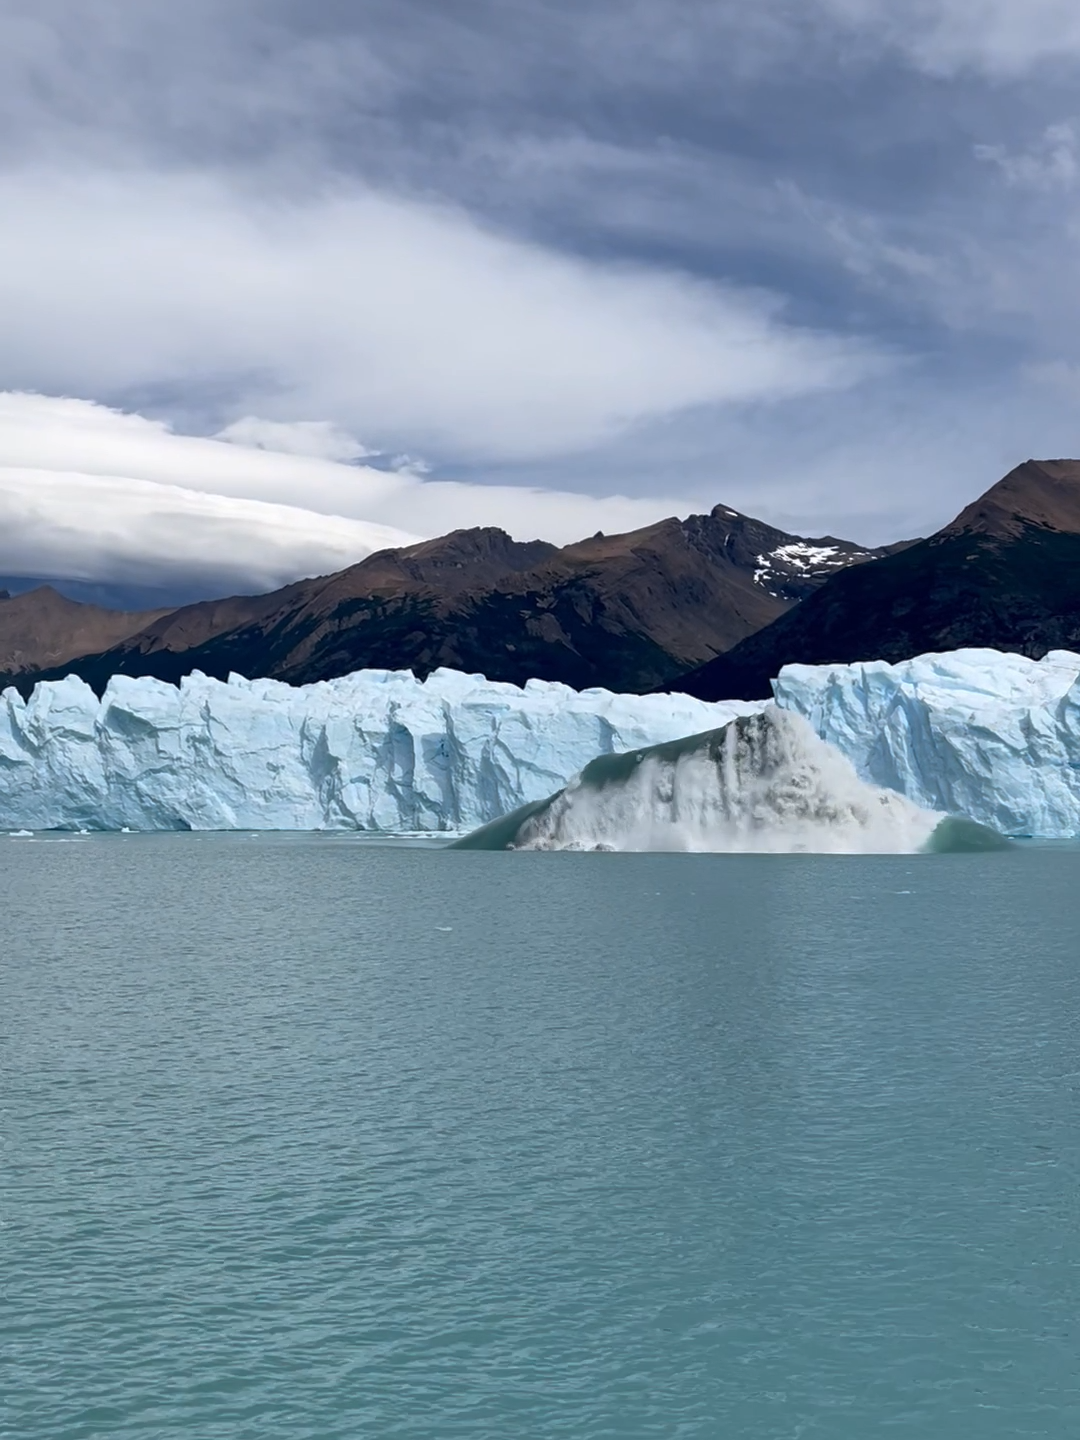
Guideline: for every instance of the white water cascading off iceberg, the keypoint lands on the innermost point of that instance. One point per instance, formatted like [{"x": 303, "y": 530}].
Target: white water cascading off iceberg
[{"x": 762, "y": 784}]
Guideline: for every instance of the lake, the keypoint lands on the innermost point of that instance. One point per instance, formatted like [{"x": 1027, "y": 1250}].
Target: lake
[{"x": 305, "y": 1136}]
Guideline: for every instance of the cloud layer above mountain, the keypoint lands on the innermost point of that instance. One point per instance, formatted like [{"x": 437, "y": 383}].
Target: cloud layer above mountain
[
  {"x": 99, "y": 496},
  {"x": 408, "y": 322},
  {"x": 814, "y": 260}
]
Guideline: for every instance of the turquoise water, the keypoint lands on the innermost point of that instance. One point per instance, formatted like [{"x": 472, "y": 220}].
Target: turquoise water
[{"x": 308, "y": 1138}]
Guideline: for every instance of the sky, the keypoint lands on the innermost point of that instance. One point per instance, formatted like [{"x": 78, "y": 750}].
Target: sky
[{"x": 282, "y": 282}]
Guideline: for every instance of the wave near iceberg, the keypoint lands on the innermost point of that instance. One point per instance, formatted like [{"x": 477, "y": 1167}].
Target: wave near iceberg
[{"x": 764, "y": 783}]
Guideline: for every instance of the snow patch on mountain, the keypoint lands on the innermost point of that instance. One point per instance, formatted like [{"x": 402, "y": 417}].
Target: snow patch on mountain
[{"x": 802, "y": 560}]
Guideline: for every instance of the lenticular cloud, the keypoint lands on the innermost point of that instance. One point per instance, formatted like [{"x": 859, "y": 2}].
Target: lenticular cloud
[
  {"x": 93, "y": 494},
  {"x": 119, "y": 530}
]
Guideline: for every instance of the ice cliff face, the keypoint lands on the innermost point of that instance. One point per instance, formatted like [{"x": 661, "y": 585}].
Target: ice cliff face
[
  {"x": 979, "y": 733},
  {"x": 377, "y": 750},
  {"x": 763, "y": 783}
]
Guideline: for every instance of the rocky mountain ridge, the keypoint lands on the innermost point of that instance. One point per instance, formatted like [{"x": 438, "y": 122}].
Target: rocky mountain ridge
[
  {"x": 1005, "y": 575},
  {"x": 714, "y": 605},
  {"x": 627, "y": 612},
  {"x": 41, "y": 629}
]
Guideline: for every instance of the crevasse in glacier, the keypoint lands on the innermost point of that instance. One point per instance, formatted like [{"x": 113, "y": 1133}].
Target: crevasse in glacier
[
  {"x": 992, "y": 736},
  {"x": 376, "y": 750}
]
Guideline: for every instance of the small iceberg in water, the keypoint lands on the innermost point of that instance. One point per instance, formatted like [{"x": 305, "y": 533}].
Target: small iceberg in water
[{"x": 762, "y": 784}]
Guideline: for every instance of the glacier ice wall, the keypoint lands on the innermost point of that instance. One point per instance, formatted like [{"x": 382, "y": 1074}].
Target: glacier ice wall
[
  {"x": 763, "y": 783},
  {"x": 376, "y": 750},
  {"x": 992, "y": 736}
]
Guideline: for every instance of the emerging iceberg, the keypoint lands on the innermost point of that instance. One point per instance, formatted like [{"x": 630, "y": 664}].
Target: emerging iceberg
[
  {"x": 377, "y": 750},
  {"x": 974, "y": 732},
  {"x": 763, "y": 783}
]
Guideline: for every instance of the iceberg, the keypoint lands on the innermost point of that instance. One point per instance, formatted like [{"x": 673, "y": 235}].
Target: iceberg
[
  {"x": 989, "y": 735},
  {"x": 762, "y": 783},
  {"x": 376, "y": 750}
]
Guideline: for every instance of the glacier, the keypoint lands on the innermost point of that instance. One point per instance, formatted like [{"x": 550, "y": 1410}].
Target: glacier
[
  {"x": 764, "y": 783},
  {"x": 376, "y": 750},
  {"x": 980, "y": 733},
  {"x": 994, "y": 737}
]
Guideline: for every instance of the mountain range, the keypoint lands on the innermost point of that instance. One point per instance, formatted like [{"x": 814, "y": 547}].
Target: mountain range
[
  {"x": 712, "y": 605},
  {"x": 41, "y": 629},
  {"x": 1004, "y": 574},
  {"x": 629, "y": 612}
]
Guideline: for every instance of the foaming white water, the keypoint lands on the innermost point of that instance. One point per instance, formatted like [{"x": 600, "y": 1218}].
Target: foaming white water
[{"x": 762, "y": 784}]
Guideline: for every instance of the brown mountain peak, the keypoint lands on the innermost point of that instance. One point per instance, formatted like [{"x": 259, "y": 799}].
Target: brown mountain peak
[
  {"x": 41, "y": 627},
  {"x": 475, "y": 556},
  {"x": 481, "y": 543},
  {"x": 1043, "y": 493}
]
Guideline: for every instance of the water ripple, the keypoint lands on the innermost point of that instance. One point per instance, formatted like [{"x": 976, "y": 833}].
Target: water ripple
[{"x": 640, "y": 1146}]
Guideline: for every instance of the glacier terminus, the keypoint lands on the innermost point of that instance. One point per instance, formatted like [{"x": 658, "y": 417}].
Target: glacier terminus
[
  {"x": 376, "y": 750},
  {"x": 990, "y": 736},
  {"x": 980, "y": 733}
]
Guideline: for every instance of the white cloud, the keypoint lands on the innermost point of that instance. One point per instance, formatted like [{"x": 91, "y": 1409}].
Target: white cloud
[
  {"x": 94, "y": 494},
  {"x": 125, "y": 531},
  {"x": 1001, "y": 38},
  {"x": 406, "y": 327},
  {"x": 405, "y": 323},
  {"x": 1050, "y": 164},
  {"x": 317, "y": 438}
]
